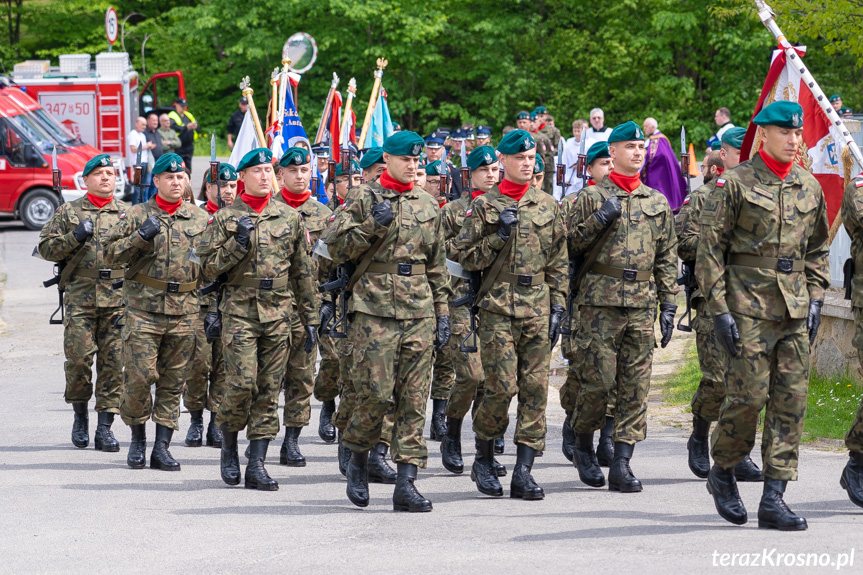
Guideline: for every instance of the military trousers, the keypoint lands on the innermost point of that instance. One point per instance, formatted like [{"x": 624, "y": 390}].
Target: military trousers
[
  {"x": 89, "y": 331},
  {"x": 205, "y": 387},
  {"x": 854, "y": 437},
  {"x": 468, "y": 382},
  {"x": 256, "y": 354},
  {"x": 158, "y": 350},
  {"x": 391, "y": 369},
  {"x": 772, "y": 370},
  {"x": 443, "y": 375},
  {"x": 569, "y": 390},
  {"x": 515, "y": 360},
  {"x": 327, "y": 379},
  {"x": 299, "y": 378},
  {"x": 616, "y": 344},
  {"x": 711, "y": 389}
]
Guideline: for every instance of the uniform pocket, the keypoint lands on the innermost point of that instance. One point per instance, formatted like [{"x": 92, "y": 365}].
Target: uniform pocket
[
  {"x": 761, "y": 198},
  {"x": 543, "y": 227},
  {"x": 427, "y": 223}
]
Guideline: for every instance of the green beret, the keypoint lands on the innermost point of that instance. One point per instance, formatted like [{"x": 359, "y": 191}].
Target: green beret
[
  {"x": 404, "y": 143},
  {"x": 716, "y": 145},
  {"x": 515, "y": 142},
  {"x": 256, "y": 157},
  {"x": 434, "y": 168},
  {"x": 540, "y": 110},
  {"x": 539, "y": 166},
  {"x": 522, "y": 116},
  {"x": 227, "y": 173},
  {"x": 533, "y": 116},
  {"x": 169, "y": 162},
  {"x": 100, "y": 161},
  {"x": 781, "y": 113},
  {"x": 481, "y": 156},
  {"x": 355, "y": 168},
  {"x": 734, "y": 137},
  {"x": 835, "y": 97},
  {"x": 626, "y": 132},
  {"x": 295, "y": 156},
  {"x": 371, "y": 157},
  {"x": 596, "y": 151}
]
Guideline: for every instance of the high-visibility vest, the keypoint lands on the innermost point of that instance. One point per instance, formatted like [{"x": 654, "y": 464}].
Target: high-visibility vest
[{"x": 179, "y": 121}]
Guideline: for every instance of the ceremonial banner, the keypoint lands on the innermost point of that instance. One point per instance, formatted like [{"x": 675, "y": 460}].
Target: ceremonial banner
[
  {"x": 246, "y": 141},
  {"x": 292, "y": 128},
  {"x": 334, "y": 131},
  {"x": 381, "y": 124}
]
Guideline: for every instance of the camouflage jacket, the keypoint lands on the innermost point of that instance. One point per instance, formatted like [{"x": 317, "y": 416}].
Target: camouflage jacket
[
  {"x": 167, "y": 253},
  {"x": 852, "y": 219},
  {"x": 415, "y": 236},
  {"x": 316, "y": 217},
  {"x": 687, "y": 227},
  {"x": 56, "y": 243},
  {"x": 551, "y": 140},
  {"x": 539, "y": 247},
  {"x": 452, "y": 215},
  {"x": 752, "y": 212},
  {"x": 643, "y": 240},
  {"x": 281, "y": 251}
]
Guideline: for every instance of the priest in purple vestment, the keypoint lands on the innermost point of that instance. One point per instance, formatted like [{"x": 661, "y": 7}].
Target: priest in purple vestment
[{"x": 661, "y": 169}]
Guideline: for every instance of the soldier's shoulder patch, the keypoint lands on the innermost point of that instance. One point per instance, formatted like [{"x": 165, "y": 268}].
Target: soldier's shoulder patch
[
  {"x": 859, "y": 183},
  {"x": 210, "y": 221},
  {"x": 468, "y": 213},
  {"x": 720, "y": 183},
  {"x": 686, "y": 201},
  {"x": 332, "y": 217},
  {"x": 123, "y": 215}
]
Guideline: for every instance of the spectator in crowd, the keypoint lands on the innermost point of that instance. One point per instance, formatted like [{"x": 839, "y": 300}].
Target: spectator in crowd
[
  {"x": 570, "y": 155},
  {"x": 184, "y": 124},
  {"x": 722, "y": 117},
  {"x": 598, "y": 131},
  {"x": 137, "y": 140},
  {"x": 661, "y": 170},
  {"x": 236, "y": 121},
  {"x": 153, "y": 137},
  {"x": 170, "y": 139}
]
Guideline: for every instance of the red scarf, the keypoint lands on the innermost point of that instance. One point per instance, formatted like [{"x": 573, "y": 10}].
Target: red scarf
[
  {"x": 170, "y": 208},
  {"x": 628, "y": 183},
  {"x": 781, "y": 169},
  {"x": 475, "y": 194},
  {"x": 257, "y": 203},
  {"x": 295, "y": 200},
  {"x": 541, "y": 127},
  {"x": 99, "y": 201},
  {"x": 441, "y": 203},
  {"x": 211, "y": 208},
  {"x": 391, "y": 184},
  {"x": 512, "y": 190},
  {"x": 719, "y": 170},
  {"x": 590, "y": 182}
]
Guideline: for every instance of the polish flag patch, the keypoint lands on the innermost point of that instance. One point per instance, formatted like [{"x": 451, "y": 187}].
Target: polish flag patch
[
  {"x": 123, "y": 216},
  {"x": 720, "y": 183},
  {"x": 686, "y": 201},
  {"x": 468, "y": 213},
  {"x": 210, "y": 221},
  {"x": 332, "y": 217},
  {"x": 859, "y": 183}
]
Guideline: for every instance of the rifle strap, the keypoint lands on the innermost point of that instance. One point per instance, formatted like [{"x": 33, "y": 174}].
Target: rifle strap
[
  {"x": 490, "y": 276},
  {"x": 238, "y": 270},
  {"x": 369, "y": 255},
  {"x": 73, "y": 262}
]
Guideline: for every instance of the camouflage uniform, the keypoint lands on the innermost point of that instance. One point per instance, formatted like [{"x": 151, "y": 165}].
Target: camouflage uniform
[
  {"x": 256, "y": 322},
  {"x": 750, "y": 215},
  {"x": 443, "y": 375},
  {"x": 514, "y": 318},
  {"x": 159, "y": 331},
  {"x": 548, "y": 151},
  {"x": 206, "y": 385},
  {"x": 91, "y": 305}
]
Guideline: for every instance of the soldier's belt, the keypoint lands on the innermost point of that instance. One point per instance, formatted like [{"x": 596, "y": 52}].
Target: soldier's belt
[
  {"x": 525, "y": 280},
  {"x": 622, "y": 273},
  {"x": 98, "y": 274},
  {"x": 170, "y": 287},
  {"x": 398, "y": 269},
  {"x": 784, "y": 265},
  {"x": 261, "y": 283}
]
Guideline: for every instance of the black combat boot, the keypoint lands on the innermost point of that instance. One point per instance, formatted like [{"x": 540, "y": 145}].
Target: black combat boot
[
  {"x": 584, "y": 459},
  {"x": 500, "y": 468},
  {"x": 195, "y": 435},
  {"x": 699, "y": 447},
  {"x": 161, "y": 458},
  {"x": 104, "y": 439},
  {"x": 773, "y": 513},
  {"x": 620, "y": 477},
  {"x": 290, "y": 453},
  {"x": 747, "y": 471},
  {"x": 405, "y": 496},
  {"x": 256, "y": 474},
  {"x": 450, "y": 447},
  {"x": 722, "y": 485},
  {"x": 523, "y": 486},
  {"x": 358, "y": 478},
  {"x": 568, "y": 444},
  {"x": 852, "y": 478},
  {"x": 137, "y": 458},
  {"x": 482, "y": 473},
  {"x": 81, "y": 426},
  {"x": 438, "y": 420},
  {"x": 326, "y": 429},
  {"x": 379, "y": 470},
  {"x": 214, "y": 433},
  {"x": 605, "y": 447},
  {"x": 229, "y": 457},
  {"x": 499, "y": 445},
  {"x": 344, "y": 457}
]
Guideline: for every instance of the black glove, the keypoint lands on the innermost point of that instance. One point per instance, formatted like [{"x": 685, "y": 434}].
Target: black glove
[
  {"x": 213, "y": 326},
  {"x": 83, "y": 230},
  {"x": 311, "y": 341},
  {"x": 814, "y": 319},
  {"x": 725, "y": 329},
  {"x": 442, "y": 332},
  {"x": 383, "y": 213},
  {"x": 666, "y": 321},
  {"x": 608, "y": 211},
  {"x": 328, "y": 312},
  {"x": 244, "y": 231},
  {"x": 508, "y": 218},
  {"x": 150, "y": 228},
  {"x": 557, "y": 312}
]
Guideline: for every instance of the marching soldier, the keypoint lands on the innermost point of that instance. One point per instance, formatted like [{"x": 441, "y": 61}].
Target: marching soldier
[
  {"x": 262, "y": 247},
  {"x": 91, "y": 306},
  {"x": 538, "y": 173},
  {"x": 762, "y": 267},
  {"x": 514, "y": 234},
  {"x": 393, "y": 234},
  {"x": 551, "y": 140},
  {"x": 162, "y": 307},
  {"x": 372, "y": 164},
  {"x": 627, "y": 230},
  {"x": 436, "y": 151}
]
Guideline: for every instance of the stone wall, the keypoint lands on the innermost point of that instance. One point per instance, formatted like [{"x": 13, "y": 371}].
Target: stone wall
[{"x": 832, "y": 352}]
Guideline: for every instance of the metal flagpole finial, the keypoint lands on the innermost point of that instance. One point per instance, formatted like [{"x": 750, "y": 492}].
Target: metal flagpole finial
[
  {"x": 382, "y": 63},
  {"x": 286, "y": 63},
  {"x": 352, "y": 86},
  {"x": 335, "y": 80},
  {"x": 245, "y": 87},
  {"x": 274, "y": 77}
]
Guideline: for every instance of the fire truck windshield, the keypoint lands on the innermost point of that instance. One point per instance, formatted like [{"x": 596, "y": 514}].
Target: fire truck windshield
[
  {"x": 31, "y": 131},
  {"x": 57, "y": 130}
]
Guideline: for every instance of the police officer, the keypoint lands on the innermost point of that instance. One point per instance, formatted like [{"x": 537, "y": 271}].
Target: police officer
[
  {"x": 483, "y": 135},
  {"x": 762, "y": 267},
  {"x": 435, "y": 151},
  {"x": 91, "y": 306}
]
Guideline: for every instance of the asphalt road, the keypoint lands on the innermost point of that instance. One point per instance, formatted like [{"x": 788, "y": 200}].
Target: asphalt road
[{"x": 66, "y": 510}]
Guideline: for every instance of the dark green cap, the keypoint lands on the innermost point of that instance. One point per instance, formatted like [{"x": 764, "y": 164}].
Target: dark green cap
[
  {"x": 227, "y": 173},
  {"x": 540, "y": 110},
  {"x": 404, "y": 143},
  {"x": 734, "y": 137},
  {"x": 355, "y": 169},
  {"x": 434, "y": 169},
  {"x": 295, "y": 156},
  {"x": 100, "y": 161},
  {"x": 533, "y": 116},
  {"x": 515, "y": 142},
  {"x": 481, "y": 156},
  {"x": 371, "y": 157},
  {"x": 596, "y": 151},
  {"x": 835, "y": 97},
  {"x": 522, "y": 116},
  {"x": 256, "y": 157},
  {"x": 781, "y": 113},
  {"x": 539, "y": 166},
  {"x": 169, "y": 162},
  {"x": 626, "y": 132}
]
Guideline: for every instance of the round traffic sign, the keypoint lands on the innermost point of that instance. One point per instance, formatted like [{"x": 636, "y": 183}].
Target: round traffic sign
[
  {"x": 302, "y": 50},
  {"x": 112, "y": 26}
]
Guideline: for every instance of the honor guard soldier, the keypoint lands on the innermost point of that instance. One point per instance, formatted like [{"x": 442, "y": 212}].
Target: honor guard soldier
[
  {"x": 262, "y": 247},
  {"x": 551, "y": 140},
  {"x": 91, "y": 306},
  {"x": 435, "y": 151},
  {"x": 762, "y": 267},
  {"x": 322, "y": 155},
  {"x": 372, "y": 164},
  {"x": 163, "y": 308},
  {"x": 514, "y": 234},
  {"x": 522, "y": 121}
]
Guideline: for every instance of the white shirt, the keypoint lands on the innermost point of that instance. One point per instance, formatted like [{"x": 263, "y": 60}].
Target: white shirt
[
  {"x": 136, "y": 139},
  {"x": 723, "y": 129},
  {"x": 594, "y": 137}
]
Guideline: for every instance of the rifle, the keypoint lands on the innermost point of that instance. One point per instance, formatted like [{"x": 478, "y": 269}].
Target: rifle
[
  {"x": 338, "y": 289},
  {"x": 575, "y": 264},
  {"x": 684, "y": 160},
  {"x": 581, "y": 166},
  {"x": 464, "y": 170},
  {"x": 57, "y": 177},
  {"x": 474, "y": 280},
  {"x": 331, "y": 177},
  {"x": 848, "y": 270},
  {"x": 445, "y": 180},
  {"x": 138, "y": 176},
  {"x": 560, "y": 172},
  {"x": 687, "y": 280},
  {"x": 215, "y": 166}
]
